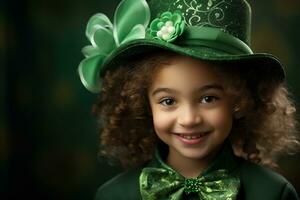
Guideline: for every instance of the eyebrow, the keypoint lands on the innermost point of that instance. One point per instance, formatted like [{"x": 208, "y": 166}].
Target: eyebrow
[{"x": 201, "y": 89}]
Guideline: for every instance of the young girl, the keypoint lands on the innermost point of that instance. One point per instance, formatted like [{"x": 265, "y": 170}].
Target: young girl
[{"x": 186, "y": 105}]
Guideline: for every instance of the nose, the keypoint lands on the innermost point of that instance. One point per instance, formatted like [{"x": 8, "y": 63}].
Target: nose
[{"x": 189, "y": 116}]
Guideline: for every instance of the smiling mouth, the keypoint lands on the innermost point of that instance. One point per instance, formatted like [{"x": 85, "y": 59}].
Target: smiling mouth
[{"x": 192, "y": 137}]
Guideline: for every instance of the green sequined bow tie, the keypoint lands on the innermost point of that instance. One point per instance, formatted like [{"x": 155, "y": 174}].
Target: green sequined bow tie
[{"x": 161, "y": 183}]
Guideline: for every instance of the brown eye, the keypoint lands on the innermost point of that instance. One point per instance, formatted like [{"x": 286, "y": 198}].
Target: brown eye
[
  {"x": 167, "y": 102},
  {"x": 208, "y": 99}
]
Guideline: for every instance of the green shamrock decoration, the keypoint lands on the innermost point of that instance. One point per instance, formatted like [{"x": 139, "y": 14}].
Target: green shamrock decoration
[{"x": 167, "y": 27}]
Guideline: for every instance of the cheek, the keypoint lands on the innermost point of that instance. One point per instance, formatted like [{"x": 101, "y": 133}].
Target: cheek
[
  {"x": 161, "y": 121},
  {"x": 221, "y": 119}
]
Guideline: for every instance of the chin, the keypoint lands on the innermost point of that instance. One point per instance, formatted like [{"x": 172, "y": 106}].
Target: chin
[{"x": 194, "y": 154}]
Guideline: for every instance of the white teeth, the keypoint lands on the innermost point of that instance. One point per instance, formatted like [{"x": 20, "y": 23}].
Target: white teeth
[{"x": 191, "y": 137}]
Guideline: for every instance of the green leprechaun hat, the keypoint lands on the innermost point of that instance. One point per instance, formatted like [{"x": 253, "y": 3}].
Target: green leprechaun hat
[{"x": 216, "y": 30}]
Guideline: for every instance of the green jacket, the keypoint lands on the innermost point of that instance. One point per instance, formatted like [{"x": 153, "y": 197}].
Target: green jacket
[{"x": 257, "y": 183}]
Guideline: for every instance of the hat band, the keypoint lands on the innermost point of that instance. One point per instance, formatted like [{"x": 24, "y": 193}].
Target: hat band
[{"x": 213, "y": 38}]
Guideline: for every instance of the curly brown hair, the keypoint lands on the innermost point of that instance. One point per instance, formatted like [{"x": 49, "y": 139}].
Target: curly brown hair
[{"x": 264, "y": 125}]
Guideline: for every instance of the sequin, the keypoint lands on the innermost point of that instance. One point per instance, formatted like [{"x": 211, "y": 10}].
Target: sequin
[{"x": 162, "y": 182}]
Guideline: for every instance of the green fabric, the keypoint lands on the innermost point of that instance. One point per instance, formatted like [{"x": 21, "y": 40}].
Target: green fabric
[
  {"x": 168, "y": 27},
  {"x": 231, "y": 16},
  {"x": 105, "y": 37},
  {"x": 262, "y": 183},
  {"x": 214, "y": 37},
  {"x": 159, "y": 181},
  {"x": 215, "y": 30},
  {"x": 257, "y": 182},
  {"x": 124, "y": 186}
]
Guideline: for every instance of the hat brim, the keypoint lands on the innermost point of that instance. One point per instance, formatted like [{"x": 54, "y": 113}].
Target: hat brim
[{"x": 263, "y": 63}]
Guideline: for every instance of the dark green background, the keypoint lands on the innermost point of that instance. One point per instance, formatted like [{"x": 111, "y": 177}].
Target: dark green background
[{"x": 48, "y": 138}]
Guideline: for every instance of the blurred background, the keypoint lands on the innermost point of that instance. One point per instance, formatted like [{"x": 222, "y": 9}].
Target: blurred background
[{"x": 48, "y": 138}]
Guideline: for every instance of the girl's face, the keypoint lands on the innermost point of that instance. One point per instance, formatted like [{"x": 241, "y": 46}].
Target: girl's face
[{"x": 191, "y": 112}]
